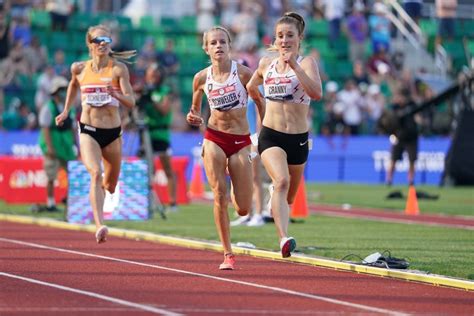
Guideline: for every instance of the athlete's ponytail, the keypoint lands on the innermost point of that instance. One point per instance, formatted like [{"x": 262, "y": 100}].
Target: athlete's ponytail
[{"x": 122, "y": 56}]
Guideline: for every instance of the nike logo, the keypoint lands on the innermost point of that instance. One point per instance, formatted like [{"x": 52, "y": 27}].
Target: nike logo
[
  {"x": 302, "y": 144},
  {"x": 238, "y": 143}
]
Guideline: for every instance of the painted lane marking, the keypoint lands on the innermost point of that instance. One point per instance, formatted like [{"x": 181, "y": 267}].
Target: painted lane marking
[
  {"x": 94, "y": 295},
  {"x": 255, "y": 285}
]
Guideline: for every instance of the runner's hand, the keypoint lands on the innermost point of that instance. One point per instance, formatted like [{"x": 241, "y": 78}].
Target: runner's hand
[
  {"x": 290, "y": 59},
  {"x": 194, "y": 118},
  {"x": 111, "y": 91},
  {"x": 61, "y": 118}
]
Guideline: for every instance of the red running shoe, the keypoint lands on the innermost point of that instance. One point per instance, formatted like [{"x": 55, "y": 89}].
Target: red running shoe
[{"x": 229, "y": 262}]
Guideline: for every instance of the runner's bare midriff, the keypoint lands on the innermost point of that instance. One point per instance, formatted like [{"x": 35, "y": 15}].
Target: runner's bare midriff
[
  {"x": 290, "y": 118},
  {"x": 101, "y": 117},
  {"x": 232, "y": 122}
]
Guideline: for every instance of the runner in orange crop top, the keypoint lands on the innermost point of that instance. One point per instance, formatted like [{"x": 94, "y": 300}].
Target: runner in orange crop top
[{"x": 105, "y": 85}]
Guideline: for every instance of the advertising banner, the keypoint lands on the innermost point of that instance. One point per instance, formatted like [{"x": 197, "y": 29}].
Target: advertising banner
[
  {"x": 358, "y": 159},
  {"x": 23, "y": 180}
]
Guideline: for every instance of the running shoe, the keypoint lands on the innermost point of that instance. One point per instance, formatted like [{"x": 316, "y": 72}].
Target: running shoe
[
  {"x": 287, "y": 245},
  {"x": 242, "y": 220},
  {"x": 229, "y": 262},
  {"x": 101, "y": 234},
  {"x": 256, "y": 221}
]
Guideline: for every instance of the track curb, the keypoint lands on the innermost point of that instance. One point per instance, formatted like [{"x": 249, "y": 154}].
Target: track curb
[{"x": 435, "y": 280}]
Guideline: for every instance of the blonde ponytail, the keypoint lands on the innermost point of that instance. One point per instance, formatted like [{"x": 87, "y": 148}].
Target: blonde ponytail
[{"x": 122, "y": 56}]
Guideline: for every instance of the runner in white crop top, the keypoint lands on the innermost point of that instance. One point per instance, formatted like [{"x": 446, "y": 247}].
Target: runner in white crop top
[
  {"x": 228, "y": 95},
  {"x": 283, "y": 87}
]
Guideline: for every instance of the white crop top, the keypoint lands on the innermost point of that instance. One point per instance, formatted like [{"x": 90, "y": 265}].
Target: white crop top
[
  {"x": 228, "y": 95},
  {"x": 283, "y": 87}
]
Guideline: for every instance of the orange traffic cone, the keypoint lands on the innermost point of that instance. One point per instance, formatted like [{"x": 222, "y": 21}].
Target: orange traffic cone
[
  {"x": 196, "y": 188},
  {"x": 300, "y": 205},
  {"x": 411, "y": 207}
]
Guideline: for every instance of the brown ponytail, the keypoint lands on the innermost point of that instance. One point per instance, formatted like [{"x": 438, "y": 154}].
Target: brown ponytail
[{"x": 300, "y": 24}]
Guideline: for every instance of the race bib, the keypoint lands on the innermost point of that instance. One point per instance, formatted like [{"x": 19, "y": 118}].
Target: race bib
[
  {"x": 278, "y": 88},
  {"x": 97, "y": 96}
]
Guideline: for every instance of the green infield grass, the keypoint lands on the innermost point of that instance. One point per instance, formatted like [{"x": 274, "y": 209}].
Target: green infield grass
[{"x": 451, "y": 200}]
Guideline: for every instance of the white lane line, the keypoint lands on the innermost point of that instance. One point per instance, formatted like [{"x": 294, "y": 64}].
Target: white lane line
[
  {"x": 256, "y": 285},
  {"x": 94, "y": 295}
]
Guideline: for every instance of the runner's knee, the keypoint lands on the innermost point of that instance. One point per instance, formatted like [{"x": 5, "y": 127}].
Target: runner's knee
[
  {"x": 281, "y": 184},
  {"x": 96, "y": 176}
]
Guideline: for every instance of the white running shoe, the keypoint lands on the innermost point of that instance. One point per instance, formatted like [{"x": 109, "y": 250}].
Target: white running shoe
[
  {"x": 287, "y": 245},
  {"x": 242, "y": 220},
  {"x": 256, "y": 221}
]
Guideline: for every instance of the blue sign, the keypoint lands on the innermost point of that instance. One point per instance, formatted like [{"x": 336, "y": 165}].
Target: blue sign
[{"x": 362, "y": 159}]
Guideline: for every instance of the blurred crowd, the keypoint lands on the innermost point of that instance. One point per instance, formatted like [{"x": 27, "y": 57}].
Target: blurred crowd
[{"x": 351, "y": 104}]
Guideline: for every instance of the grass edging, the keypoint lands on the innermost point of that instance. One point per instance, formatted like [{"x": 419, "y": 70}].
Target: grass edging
[{"x": 435, "y": 280}]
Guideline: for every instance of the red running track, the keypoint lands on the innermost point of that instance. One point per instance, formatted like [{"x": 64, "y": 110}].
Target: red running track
[
  {"x": 54, "y": 271},
  {"x": 463, "y": 222}
]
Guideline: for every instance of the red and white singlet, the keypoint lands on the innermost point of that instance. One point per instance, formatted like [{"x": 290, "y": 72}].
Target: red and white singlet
[{"x": 228, "y": 95}]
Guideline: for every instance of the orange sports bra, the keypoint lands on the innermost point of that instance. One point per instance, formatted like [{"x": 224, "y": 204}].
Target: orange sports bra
[{"x": 94, "y": 86}]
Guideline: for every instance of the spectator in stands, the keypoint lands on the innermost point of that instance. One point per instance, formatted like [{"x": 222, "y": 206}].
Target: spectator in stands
[
  {"x": 352, "y": 110},
  {"x": 379, "y": 28},
  {"x": 148, "y": 52},
  {"x": 229, "y": 10},
  {"x": 36, "y": 54},
  {"x": 334, "y": 13},
  {"x": 333, "y": 123},
  {"x": 104, "y": 83},
  {"x": 227, "y": 138},
  {"x": 405, "y": 137},
  {"x": 43, "y": 87},
  {"x": 357, "y": 32},
  {"x": 359, "y": 73},
  {"x": 18, "y": 116},
  {"x": 59, "y": 65},
  {"x": 168, "y": 59},
  {"x": 245, "y": 26},
  {"x": 12, "y": 69},
  {"x": 290, "y": 81},
  {"x": 59, "y": 11},
  {"x": 56, "y": 142},
  {"x": 206, "y": 11},
  {"x": 446, "y": 14},
  {"x": 379, "y": 66},
  {"x": 272, "y": 10},
  {"x": 374, "y": 106},
  {"x": 413, "y": 9},
  {"x": 155, "y": 104},
  {"x": 21, "y": 29}
]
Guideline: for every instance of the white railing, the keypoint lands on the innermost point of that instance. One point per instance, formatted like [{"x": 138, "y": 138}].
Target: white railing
[{"x": 418, "y": 41}]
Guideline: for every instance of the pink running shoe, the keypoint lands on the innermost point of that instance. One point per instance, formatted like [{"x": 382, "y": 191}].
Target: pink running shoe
[
  {"x": 287, "y": 245},
  {"x": 229, "y": 262},
  {"x": 101, "y": 234}
]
